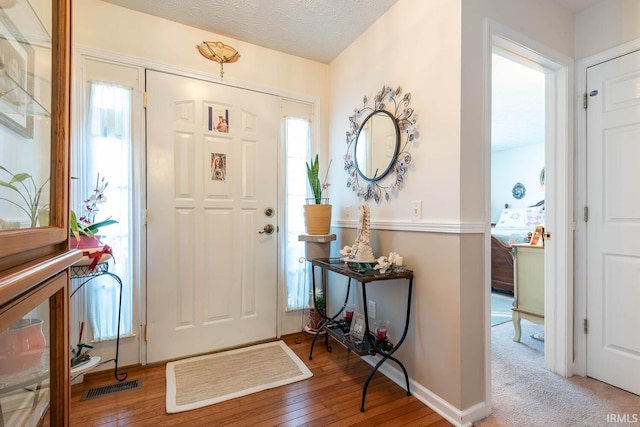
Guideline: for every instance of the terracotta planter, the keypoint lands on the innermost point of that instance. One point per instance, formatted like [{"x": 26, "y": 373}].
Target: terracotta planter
[
  {"x": 21, "y": 346},
  {"x": 317, "y": 218},
  {"x": 315, "y": 320}
]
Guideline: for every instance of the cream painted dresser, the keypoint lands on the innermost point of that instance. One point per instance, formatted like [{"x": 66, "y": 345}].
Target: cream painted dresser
[{"x": 528, "y": 295}]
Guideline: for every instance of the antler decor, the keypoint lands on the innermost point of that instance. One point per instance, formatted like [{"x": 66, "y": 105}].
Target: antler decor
[{"x": 218, "y": 52}]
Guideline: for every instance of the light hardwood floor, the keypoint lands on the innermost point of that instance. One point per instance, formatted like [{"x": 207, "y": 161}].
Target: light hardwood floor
[{"x": 330, "y": 398}]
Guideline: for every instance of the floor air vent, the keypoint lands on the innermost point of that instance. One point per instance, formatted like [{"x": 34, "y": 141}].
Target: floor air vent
[{"x": 108, "y": 389}]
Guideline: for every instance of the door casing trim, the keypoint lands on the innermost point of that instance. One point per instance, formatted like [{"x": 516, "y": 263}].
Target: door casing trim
[{"x": 559, "y": 194}]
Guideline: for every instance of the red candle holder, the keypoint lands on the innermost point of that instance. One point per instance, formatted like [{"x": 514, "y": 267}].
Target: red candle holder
[{"x": 381, "y": 329}]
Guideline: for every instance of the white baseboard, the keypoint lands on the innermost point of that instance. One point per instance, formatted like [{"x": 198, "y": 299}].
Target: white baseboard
[{"x": 457, "y": 417}]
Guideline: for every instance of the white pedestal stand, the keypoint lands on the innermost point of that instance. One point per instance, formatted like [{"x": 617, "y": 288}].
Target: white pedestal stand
[{"x": 317, "y": 245}]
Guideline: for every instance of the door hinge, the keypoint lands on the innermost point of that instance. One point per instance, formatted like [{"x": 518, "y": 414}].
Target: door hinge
[
  {"x": 585, "y": 214},
  {"x": 145, "y": 217},
  {"x": 146, "y": 332},
  {"x": 144, "y": 99},
  {"x": 585, "y": 102},
  {"x": 585, "y": 325}
]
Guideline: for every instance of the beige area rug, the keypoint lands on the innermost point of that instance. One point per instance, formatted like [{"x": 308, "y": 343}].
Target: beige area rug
[{"x": 205, "y": 380}]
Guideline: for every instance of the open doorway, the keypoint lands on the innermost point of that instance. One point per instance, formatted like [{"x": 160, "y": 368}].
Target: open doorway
[
  {"x": 558, "y": 194},
  {"x": 517, "y": 203}
]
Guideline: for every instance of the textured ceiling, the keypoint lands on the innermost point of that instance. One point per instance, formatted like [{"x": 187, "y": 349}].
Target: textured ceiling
[
  {"x": 577, "y": 6},
  {"x": 320, "y": 29},
  {"x": 517, "y": 105},
  {"x": 313, "y": 29}
]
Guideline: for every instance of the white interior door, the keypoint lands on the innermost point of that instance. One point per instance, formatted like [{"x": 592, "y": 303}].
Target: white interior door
[
  {"x": 212, "y": 171},
  {"x": 613, "y": 228}
]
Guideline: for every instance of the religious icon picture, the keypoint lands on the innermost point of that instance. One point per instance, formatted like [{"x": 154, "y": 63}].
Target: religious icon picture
[
  {"x": 218, "y": 167},
  {"x": 218, "y": 119}
]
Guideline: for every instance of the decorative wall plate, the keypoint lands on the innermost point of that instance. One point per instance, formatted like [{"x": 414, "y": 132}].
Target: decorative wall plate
[{"x": 519, "y": 191}]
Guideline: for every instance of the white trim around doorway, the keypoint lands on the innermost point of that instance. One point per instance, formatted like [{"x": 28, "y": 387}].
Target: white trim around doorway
[{"x": 559, "y": 193}]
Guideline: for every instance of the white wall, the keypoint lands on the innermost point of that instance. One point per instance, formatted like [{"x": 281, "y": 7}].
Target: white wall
[
  {"x": 435, "y": 50},
  {"x": 547, "y": 26},
  {"x": 520, "y": 164},
  {"x": 607, "y": 24},
  {"x": 110, "y": 28},
  {"x": 398, "y": 50},
  {"x": 415, "y": 45}
]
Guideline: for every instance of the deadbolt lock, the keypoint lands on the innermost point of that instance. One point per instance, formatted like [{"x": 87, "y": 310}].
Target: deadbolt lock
[{"x": 269, "y": 212}]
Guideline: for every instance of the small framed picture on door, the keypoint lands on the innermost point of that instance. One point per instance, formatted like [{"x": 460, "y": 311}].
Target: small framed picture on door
[{"x": 218, "y": 166}]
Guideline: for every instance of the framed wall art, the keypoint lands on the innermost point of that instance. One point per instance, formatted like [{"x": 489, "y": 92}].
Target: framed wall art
[
  {"x": 218, "y": 166},
  {"x": 17, "y": 73},
  {"x": 218, "y": 119}
]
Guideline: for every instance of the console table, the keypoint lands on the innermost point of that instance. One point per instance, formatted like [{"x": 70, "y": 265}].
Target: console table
[
  {"x": 339, "y": 330},
  {"x": 101, "y": 269}
]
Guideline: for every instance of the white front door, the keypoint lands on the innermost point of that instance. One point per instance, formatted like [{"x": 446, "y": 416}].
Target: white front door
[
  {"x": 613, "y": 227},
  {"x": 212, "y": 171}
]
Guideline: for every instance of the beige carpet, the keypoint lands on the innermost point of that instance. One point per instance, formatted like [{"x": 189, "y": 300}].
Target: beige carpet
[
  {"x": 525, "y": 394},
  {"x": 205, "y": 380}
]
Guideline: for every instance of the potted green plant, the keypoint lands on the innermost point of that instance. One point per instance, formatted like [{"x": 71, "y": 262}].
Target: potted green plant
[
  {"x": 24, "y": 185},
  {"x": 317, "y": 211},
  {"x": 316, "y": 311}
]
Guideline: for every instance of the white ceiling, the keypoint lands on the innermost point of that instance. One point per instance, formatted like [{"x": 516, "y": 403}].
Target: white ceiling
[
  {"x": 517, "y": 105},
  {"x": 315, "y": 29},
  {"x": 320, "y": 29}
]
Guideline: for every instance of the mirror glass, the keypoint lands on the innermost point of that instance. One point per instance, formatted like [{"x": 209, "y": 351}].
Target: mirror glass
[
  {"x": 378, "y": 142},
  {"x": 25, "y": 119},
  {"x": 376, "y": 145}
]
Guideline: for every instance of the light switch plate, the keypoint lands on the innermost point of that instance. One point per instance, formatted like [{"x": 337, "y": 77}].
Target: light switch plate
[
  {"x": 416, "y": 210},
  {"x": 372, "y": 309}
]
